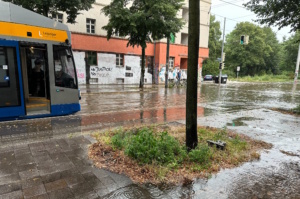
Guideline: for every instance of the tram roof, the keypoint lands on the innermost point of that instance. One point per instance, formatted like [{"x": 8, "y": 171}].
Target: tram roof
[{"x": 16, "y": 14}]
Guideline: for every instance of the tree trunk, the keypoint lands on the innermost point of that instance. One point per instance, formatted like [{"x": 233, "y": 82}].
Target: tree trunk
[
  {"x": 192, "y": 76},
  {"x": 45, "y": 10},
  {"x": 167, "y": 63},
  {"x": 142, "y": 68}
]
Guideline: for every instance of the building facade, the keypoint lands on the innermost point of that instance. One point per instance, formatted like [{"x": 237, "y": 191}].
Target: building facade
[{"x": 112, "y": 62}]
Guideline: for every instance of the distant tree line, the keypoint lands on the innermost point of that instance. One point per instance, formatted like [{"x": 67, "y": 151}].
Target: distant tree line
[{"x": 263, "y": 55}]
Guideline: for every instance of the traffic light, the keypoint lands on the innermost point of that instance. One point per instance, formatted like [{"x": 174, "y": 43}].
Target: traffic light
[
  {"x": 223, "y": 58},
  {"x": 220, "y": 66},
  {"x": 242, "y": 39},
  {"x": 223, "y": 65}
]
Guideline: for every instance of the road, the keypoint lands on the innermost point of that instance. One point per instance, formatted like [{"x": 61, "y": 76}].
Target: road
[{"x": 243, "y": 107}]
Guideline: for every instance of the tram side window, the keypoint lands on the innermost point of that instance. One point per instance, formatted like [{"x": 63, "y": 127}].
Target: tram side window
[
  {"x": 9, "y": 79},
  {"x": 4, "y": 81},
  {"x": 64, "y": 67}
]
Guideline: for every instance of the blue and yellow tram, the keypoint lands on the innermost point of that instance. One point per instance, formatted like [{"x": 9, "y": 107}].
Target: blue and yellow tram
[{"x": 37, "y": 70}]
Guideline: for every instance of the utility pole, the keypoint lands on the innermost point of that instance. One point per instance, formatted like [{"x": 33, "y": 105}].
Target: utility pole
[
  {"x": 222, "y": 52},
  {"x": 297, "y": 66},
  {"x": 167, "y": 64}
]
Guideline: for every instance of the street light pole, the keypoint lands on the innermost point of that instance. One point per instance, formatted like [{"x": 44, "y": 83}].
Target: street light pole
[
  {"x": 297, "y": 65},
  {"x": 222, "y": 52}
]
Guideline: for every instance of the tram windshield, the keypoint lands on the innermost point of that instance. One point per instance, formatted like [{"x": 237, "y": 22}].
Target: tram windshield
[{"x": 65, "y": 74}]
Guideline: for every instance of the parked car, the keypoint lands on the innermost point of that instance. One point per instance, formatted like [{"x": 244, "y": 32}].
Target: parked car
[{"x": 208, "y": 78}]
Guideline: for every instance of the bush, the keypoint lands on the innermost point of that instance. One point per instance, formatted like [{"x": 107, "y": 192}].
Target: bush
[
  {"x": 202, "y": 154},
  {"x": 146, "y": 147},
  {"x": 117, "y": 141}
]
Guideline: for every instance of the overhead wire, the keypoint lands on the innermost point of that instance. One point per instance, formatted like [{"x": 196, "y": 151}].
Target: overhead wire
[{"x": 224, "y": 4}]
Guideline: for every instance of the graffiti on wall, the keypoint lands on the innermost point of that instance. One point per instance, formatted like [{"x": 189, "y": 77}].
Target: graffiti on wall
[
  {"x": 80, "y": 74},
  {"x": 172, "y": 75},
  {"x": 97, "y": 71}
]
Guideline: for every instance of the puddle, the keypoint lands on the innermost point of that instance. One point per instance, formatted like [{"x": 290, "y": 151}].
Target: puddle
[
  {"x": 239, "y": 121},
  {"x": 128, "y": 192}
]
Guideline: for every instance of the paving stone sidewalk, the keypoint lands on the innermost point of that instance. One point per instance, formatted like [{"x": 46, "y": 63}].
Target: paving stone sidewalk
[{"x": 55, "y": 168}]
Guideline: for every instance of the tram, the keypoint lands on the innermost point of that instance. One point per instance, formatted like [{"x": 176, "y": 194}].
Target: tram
[{"x": 37, "y": 70}]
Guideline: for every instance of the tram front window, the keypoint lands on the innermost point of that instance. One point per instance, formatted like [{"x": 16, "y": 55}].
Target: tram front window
[{"x": 65, "y": 75}]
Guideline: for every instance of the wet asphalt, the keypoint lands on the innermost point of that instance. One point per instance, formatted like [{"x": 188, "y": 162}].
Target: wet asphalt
[{"x": 47, "y": 158}]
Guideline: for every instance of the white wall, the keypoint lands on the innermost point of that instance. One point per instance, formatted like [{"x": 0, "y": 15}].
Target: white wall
[
  {"x": 80, "y": 66},
  {"x": 106, "y": 72}
]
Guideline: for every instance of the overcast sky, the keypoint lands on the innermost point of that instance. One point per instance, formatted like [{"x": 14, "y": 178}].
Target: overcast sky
[{"x": 237, "y": 13}]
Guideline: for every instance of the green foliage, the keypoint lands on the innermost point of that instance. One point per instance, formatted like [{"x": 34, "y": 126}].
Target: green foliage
[
  {"x": 202, "y": 154},
  {"x": 289, "y": 55},
  {"x": 117, "y": 141},
  {"x": 236, "y": 145},
  {"x": 272, "y": 59},
  {"x": 210, "y": 67},
  {"x": 221, "y": 135},
  {"x": 276, "y": 13},
  {"x": 258, "y": 57},
  {"x": 284, "y": 77},
  {"x": 71, "y": 7},
  {"x": 141, "y": 21},
  {"x": 297, "y": 110},
  {"x": 146, "y": 147},
  {"x": 214, "y": 43}
]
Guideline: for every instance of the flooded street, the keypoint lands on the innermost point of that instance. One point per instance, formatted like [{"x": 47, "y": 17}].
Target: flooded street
[{"x": 243, "y": 107}]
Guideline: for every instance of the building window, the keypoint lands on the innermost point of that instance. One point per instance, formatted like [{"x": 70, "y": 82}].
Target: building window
[
  {"x": 185, "y": 14},
  {"x": 184, "y": 38},
  {"x": 92, "y": 58},
  {"x": 57, "y": 17},
  {"x": 171, "y": 62},
  {"x": 93, "y": 80},
  {"x": 90, "y": 25},
  {"x": 119, "y": 60}
]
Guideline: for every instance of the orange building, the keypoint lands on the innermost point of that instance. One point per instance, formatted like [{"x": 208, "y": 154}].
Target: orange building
[{"x": 110, "y": 62}]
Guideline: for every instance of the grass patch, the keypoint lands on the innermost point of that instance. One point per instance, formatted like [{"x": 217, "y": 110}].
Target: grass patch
[
  {"x": 157, "y": 154},
  {"x": 265, "y": 78},
  {"x": 294, "y": 111}
]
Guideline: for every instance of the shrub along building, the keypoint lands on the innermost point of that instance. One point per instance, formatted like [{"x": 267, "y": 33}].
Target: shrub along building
[{"x": 112, "y": 62}]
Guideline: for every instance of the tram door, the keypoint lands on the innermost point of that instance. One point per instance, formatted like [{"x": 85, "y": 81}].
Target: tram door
[
  {"x": 11, "y": 101},
  {"x": 35, "y": 78}
]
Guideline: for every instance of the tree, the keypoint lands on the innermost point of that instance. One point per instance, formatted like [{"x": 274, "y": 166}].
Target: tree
[
  {"x": 44, "y": 7},
  {"x": 290, "y": 53},
  {"x": 214, "y": 42},
  {"x": 192, "y": 76},
  {"x": 272, "y": 60},
  {"x": 277, "y": 12},
  {"x": 141, "y": 21},
  {"x": 210, "y": 67},
  {"x": 251, "y": 57}
]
